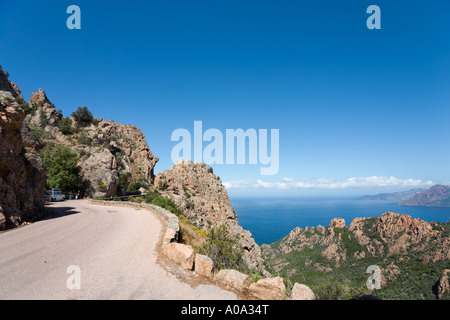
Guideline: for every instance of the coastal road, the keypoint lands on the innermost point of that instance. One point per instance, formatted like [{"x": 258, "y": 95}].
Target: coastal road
[{"x": 110, "y": 252}]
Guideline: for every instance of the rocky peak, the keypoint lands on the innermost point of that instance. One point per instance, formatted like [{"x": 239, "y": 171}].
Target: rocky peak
[
  {"x": 199, "y": 192},
  {"x": 337, "y": 223},
  {"x": 43, "y": 110}
]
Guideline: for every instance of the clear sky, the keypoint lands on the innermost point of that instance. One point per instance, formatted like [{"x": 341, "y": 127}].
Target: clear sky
[{"x": 358, "y": 110}]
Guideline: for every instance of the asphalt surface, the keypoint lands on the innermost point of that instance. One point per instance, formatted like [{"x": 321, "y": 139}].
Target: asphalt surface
[{"x": 84, "y": 251}]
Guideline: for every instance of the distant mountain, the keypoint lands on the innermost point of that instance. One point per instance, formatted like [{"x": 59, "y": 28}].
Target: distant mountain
[
  {"x": 396, "y": 196},
  {"x": 436, "y": 196}
]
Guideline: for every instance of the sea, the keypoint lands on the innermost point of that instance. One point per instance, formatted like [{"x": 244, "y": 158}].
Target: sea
[{"x": 272, "y": 219}]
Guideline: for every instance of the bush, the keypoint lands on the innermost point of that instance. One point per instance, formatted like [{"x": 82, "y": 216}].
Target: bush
[
  {"x": 151, "y": 196},
  {"x": 101, "y": 185},
  {"x": 223, "y": 249},
  {"x": 135, "y": 199},
  {"x": 65, "y": 126},
  {"x": 43, "y": 121},
  {"x": 83, "y": 139},
  {"x": 83, "y": 116},
  {"x": 167, "y": 204},
  {"x": 162, "y": 185},
  {"x": 37, "y": 134},
  {"x": 133, "y": 188}
]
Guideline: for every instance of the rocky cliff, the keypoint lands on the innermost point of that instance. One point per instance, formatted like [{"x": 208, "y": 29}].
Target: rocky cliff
[
  {"x": 111, "y": 155},
  {"x": 436, "y": 196},
  {"x": 411, "y": 253},
  {"x": 22, "y": 177},
  {"x": 200, "y": 194}
]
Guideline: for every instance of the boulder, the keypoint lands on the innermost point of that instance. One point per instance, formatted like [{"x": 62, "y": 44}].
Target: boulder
[
  {"x": 203, "y": 265},
  {"x": 302, "y": 292},
  {"x": 181, "y": 254},
  {"x": 169, "y": 236},
  {"x": 268, "y": 289},
  {"x": 337, "y": 223},
  {"x": 233, "y": 279}
]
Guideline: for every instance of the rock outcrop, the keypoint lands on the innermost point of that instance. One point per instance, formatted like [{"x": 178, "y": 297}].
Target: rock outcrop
[
  {"x": 200, "y": 194},
  {"x": 22, "y": 177},
  {"x": 302, "y": 292},
  {"x": 268, "y": 289},
  {"x": 108, "y": 150},
  {"x": 233, "y": 279},
  {"x": 443, "y": 286},
  {"x": 401, "y": 246}
]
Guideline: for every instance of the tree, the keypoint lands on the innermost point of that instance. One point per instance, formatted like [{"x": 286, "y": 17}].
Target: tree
[
  {"x": 82, "y": 115},
  {"x": 65, "y": 125},
  {"x": 61, "y": 168}
]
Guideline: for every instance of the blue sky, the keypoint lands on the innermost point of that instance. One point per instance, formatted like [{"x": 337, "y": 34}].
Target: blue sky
[{"x": 349, "y": 102}]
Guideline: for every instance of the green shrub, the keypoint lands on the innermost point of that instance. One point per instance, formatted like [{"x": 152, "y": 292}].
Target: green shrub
[
  {"x": 83, "y": 139},
  {"x": 83, "y": 116},
  {"x": 162, "y": 185},
  {"x": 138, "y": 199},
  {"x": 37, "y": 134},
  {"x": 43, "y": 121},
  {"x": 133, "y": 187},
  {"x": 123, "y": 178},
  {"x": 65, "y": 126},
  {"x": 223, "y": 249},
  {"x": 151, "y": 196},
  {"x": 167, "y": 204}
]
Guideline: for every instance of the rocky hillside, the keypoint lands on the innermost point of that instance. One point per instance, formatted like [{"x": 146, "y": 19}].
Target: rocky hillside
[
  {"x": 111, "y": 155},
  {"x": 412, "y": 254},
  {"x": 436, "y": 196},
  {"x": 22, "y": 177},
  {"x": 200, "y": 194}
]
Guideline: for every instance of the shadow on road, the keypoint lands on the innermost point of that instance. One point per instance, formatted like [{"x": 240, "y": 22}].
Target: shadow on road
[{"x": 57, "y": 212}]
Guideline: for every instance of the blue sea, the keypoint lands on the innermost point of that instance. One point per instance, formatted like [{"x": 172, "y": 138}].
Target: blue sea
[{"x": 272, "y": 219}]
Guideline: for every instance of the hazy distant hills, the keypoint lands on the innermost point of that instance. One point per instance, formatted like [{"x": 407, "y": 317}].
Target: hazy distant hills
[
  {"x": 436, "y": 196},
  {"x": 396, "y": 196}
]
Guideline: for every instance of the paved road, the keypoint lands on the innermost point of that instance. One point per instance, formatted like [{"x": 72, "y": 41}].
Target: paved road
[{"x": 113, "y": 247}]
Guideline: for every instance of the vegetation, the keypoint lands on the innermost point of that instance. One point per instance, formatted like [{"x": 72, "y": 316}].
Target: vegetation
[
  {"x": 133, "y": 188},
  {"x": 413, "y": 278},
  {"x": 25, "y": 107},
  {"x": 162, "y": 185},
  {"x": 167, "y": 204},
  {"x": 61, "y": 168},
  {"x": 101, "y": 185},
  {"x": 83, "y": 139},
  {"x": 83, "y": 116},
  {"x": 223, "y": 249},
  {"x": 65, "y": 126}
]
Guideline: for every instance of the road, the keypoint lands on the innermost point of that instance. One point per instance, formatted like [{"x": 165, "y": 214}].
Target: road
[{"x": 110, "y": 252}]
